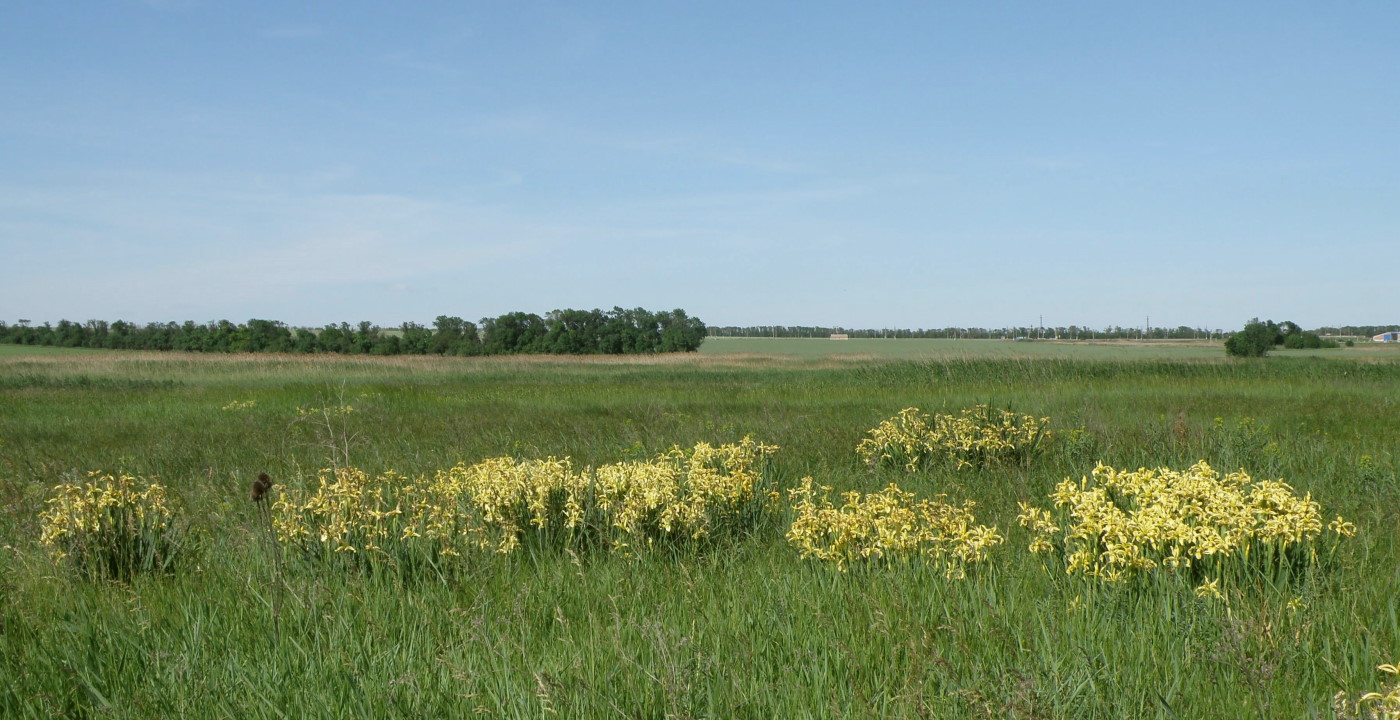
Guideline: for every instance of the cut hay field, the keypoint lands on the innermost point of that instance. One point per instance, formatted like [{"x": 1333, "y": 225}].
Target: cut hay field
[{"x": 631, "y": 621}]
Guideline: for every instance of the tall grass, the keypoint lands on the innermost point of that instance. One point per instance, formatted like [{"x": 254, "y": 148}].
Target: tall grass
[{"x": 740, "y": 629}]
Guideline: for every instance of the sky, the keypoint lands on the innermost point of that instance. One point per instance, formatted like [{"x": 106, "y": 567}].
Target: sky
[{"x": 863, "y": 165}]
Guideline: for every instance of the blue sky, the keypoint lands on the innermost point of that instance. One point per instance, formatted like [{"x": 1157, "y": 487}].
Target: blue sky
[{"x": 855, "y": 164}]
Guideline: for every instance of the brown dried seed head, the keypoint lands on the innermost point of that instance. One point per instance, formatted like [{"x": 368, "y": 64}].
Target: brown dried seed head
[{"x": 261, "y": 486}]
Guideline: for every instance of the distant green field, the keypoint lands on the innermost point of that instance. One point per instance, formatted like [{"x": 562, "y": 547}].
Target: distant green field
[{"x": 818, "y": 348}]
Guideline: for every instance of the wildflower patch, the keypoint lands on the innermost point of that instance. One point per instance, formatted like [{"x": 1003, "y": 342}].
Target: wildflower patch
[
  {"x": 973, "y": 438},
  {"x": 1113, "y": 525},
  {"x": 495, "y": 505},
  {"x": 112, "y": 526},
  {"x": 886, "y": 525}
]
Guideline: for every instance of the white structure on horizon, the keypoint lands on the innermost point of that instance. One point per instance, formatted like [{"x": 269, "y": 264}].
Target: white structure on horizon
[{"x": 1392, "y": 336}]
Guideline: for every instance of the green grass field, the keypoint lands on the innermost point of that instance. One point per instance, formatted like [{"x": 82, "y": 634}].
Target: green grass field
[
  {"x": 743, "y": 628},
  {"x": 927, "y": 349},
  {"x": 919, "y": 348}
]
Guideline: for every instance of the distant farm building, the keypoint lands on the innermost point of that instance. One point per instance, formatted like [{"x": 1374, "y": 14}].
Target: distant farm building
[
  {"x": 840, "y": 336},
  {"x": 1392, "y": 336}
]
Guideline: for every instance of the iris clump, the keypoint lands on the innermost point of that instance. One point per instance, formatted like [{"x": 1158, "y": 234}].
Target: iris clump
[
  {"x": 975, "y": 437},
  {"x": 113, "y": 526},
  {"x": 498, "y": 505},
  {"x": 1113, "y": 525},
  {"x": 887, "y": 525}
]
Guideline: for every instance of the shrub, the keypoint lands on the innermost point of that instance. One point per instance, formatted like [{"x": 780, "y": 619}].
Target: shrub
[
  {"x": 1255, "y": 340},
  {"x": 113, "y": 527},
  {"x": 1306, "y": 341}
]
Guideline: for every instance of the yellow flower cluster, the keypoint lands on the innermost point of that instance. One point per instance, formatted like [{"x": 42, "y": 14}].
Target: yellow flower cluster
[
  {"x": 887, "y": 524},
  {"x": 109, "y": 525},
  {"x": 1372, "y": 705},
  {"x": 491, "y": 505},
  {"x": 240, "y": 405},
  {"x": 974, "y": 437},
  {"x": 349, "y": 512},
  {"x": 327, "y": 411},
  {"x": 1120, "y": 523}
]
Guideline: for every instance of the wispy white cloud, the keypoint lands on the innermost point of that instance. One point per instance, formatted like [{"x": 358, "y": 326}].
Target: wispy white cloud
[{"x": 215, "y": 249}]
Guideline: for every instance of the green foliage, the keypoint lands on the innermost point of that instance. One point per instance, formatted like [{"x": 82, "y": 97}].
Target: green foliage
[
  {"x": 513, "y": 333},
  {"x": 1306, "y": 341},
  {"x": 591, "y": 332},
  {"x": 454, "y": 336},
  {"x": 566, "y": 332},
  {"x": 1258, "y": 338},
  {"x": 1255, "y": 340}
]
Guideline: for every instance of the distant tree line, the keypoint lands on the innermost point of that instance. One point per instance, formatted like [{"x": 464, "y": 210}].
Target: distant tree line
[
  {"x": 1362, "y": 331},
  {"x": 1063, "y": 332},
  {"x": 571, "y": 332}
]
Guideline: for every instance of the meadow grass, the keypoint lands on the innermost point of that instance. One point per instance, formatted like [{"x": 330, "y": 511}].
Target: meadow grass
[
  {"x": 742, "y": 629},
  {"x": 864, "y": 349},
  {"x": 929, "y": 348}
]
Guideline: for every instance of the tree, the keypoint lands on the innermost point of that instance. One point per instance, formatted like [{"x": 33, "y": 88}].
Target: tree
[
  {"x": 513, "y": 333},
  {"x": 266, "y": 336},
  {"x": 224, "y": 336},
  {"x": 1303, "y": 340},
  {"x": 414, "y": 339},
  {"x": 680, "y": 333},
  {"x": 572, "y": 332},
  {"x": 561, "y": 331},
  {"x": 1255, "y": 340},
  {"x": 119, "y": 335},
  {"x": 364, "y": 338},
  {"x": 70, "y": 334},
  {"x": 454, "y": 336},
  {"x": 304, "y": 340},
  {"x": 335, "y": 338}
]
